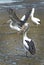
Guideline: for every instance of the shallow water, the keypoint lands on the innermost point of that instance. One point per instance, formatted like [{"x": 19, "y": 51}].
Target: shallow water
[{"x": 11, "y": 46}]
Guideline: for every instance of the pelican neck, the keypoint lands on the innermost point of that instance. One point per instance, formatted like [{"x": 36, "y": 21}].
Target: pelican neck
[
  {"x": 25, "y": 34},
  {"x": 32, "y": 13}
]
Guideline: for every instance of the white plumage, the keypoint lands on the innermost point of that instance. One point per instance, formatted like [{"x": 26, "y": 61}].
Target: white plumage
[
  {"x": 16, "y": 27},
  {"x": 34, "y": 19},
  {"x": 15, "y": 22},
  {"x": 27, "y": 42}
]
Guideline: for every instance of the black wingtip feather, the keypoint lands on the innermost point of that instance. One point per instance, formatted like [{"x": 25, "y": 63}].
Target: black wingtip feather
[{"x": 32, "y": 48}]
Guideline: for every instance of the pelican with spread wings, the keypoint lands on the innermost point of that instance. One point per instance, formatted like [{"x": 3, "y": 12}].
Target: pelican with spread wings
[{"x": 15, "y": 22}]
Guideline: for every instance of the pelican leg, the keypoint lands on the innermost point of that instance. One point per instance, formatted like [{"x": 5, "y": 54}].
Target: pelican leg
[{"x": 26, "y": 54}]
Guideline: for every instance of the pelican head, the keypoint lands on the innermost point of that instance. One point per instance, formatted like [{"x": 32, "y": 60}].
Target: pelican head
[
  {"x": 26, "y": 27},
  {"x": 26, "y": 24}
]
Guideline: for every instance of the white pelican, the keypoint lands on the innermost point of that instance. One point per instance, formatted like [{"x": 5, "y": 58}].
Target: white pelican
[
  {"x": 27, "y": 42},
  {"x": 15, "y": 22},
  {"x": 34, "y": 19}
]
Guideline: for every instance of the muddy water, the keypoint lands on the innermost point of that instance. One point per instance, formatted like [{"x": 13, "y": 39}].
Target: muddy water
[{"x": 11, "y": 46}]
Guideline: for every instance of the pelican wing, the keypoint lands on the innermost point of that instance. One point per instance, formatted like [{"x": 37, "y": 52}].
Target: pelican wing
[
  {"x": 25, "y": 17},
  {"x": 31, "y": 46},
  {"x": 13, "y": 15}
]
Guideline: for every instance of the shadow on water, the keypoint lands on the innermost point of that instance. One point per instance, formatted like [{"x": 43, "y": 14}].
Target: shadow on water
[{"x": 11, "y": 45}]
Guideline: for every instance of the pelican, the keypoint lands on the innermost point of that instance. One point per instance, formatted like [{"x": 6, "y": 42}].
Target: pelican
[
  {"x": 15, "y": 22},
  {"x": 27, "y": 42},
  {"x": 34, "y": 19}
]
